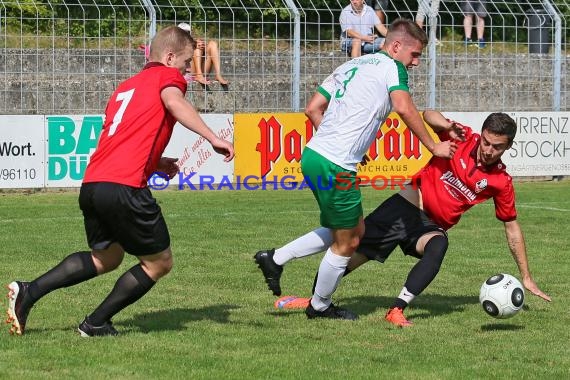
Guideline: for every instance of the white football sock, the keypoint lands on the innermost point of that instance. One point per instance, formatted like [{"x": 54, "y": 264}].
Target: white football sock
[
  {"x": 313, "y": 242},
  {"x": 331, "y": 271},
  {"x": 405, "y": 295}
]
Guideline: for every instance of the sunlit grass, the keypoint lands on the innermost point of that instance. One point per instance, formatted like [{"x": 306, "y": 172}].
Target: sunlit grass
[{"x": 213, "y": 317}]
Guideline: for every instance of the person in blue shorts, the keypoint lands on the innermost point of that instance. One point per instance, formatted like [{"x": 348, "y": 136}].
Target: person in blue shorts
[{"x": 358, "y": 24}]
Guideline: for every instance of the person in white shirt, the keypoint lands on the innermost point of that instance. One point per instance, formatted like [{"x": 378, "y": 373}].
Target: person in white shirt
[{"x": 358, "y": 23}]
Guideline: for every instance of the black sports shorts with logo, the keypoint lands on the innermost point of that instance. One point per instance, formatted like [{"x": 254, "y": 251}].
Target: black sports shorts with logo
[
  {"x": 396, "y": 222},
  {"x": 127, "y": 215}
]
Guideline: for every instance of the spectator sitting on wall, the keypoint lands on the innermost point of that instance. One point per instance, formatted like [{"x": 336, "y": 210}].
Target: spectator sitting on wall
[
  {"x": 206, "y": 58},
  {"x": 357, "y": 22}
]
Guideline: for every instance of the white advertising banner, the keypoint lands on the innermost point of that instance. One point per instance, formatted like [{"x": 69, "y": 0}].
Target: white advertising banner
[
  {"x": 200, "y": 166},
  {"x": 72, "y": 140},
  {"x": 53, "y": 151},
  {"x": 541, "y": 146},
  {"x": 22, "y": 152}
]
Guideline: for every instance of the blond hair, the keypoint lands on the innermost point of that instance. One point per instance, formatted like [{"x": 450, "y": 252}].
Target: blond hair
[{"x": 171, "y": 38}]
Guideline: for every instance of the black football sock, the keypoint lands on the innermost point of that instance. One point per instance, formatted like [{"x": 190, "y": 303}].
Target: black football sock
[
  {"x": 399, "y": 303},
  {"x": 130, "y": 287},
  {"x": 72, "y": 270},
  {"x": 425, "y": 270}
]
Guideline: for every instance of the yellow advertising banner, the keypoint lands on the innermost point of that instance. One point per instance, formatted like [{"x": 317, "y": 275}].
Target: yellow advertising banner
[{"x": 269, "y": 145}]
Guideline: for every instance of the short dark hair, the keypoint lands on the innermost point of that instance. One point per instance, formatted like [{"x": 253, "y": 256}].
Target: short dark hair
[
  {"x": 405, "y": 27},
  {"x": 500, "y": 123}
]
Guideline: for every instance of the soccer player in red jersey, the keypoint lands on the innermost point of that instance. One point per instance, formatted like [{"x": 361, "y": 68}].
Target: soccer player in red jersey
[
  {"x": 120, "y": 213},
  {"x": 417, "y": 218}
]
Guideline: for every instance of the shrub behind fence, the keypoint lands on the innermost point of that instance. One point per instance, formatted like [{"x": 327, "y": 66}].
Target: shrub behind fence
[{"x": 60, "y": 58}]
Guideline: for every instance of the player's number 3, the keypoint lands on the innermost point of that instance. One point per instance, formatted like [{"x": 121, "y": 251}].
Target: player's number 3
[
  {"x": 124, "y": 98},
  {"x": 349, "y": 75}
]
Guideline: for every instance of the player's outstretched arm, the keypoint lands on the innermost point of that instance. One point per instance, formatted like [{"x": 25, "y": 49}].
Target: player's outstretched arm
[
  {"x": 186, "y": 114},
  {"x": 404, "y": 106},
  {"x": 515, "y": 240},
  {"x": 440, "y": 123},
  {"x": 437, "y": 121}
]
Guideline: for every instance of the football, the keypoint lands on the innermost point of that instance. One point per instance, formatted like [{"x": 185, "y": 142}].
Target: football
[{"x": 502, "y": 296}]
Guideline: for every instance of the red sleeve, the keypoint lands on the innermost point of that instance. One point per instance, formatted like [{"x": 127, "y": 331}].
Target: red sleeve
[
  {"x": 172, "y": 78},
  {"x": 505, "y": 202}
]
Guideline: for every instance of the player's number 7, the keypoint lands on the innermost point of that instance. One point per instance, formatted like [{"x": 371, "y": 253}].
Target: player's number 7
[{"x": 124, "y": 98}]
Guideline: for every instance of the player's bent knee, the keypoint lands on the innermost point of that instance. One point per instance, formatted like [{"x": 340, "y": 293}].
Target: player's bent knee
[
  {"x": 435, "y": 250},
  {"x": 165, "y": 266},
  {"x": 158, "y": 265},
  {"x": 108, "y": 259}
]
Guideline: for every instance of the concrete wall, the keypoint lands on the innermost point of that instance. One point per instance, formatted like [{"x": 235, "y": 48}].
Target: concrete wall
[{"x": 80, "y": 81}]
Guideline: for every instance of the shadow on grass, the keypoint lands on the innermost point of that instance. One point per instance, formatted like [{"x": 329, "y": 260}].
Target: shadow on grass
[
  {"x": 176, "y": 319},
  {"x": 424, "y": 306},
  {"x": 501, "y": 327},
  {"x": 162, "y": 320}
]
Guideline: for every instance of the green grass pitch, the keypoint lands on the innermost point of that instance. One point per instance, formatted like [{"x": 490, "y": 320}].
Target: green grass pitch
[{"x": 213, "y": 317}]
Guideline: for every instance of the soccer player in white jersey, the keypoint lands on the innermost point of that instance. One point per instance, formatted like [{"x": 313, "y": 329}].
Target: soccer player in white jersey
[
  {"x": 417, "y": 217},
  {"x": 361, "y": 93}
]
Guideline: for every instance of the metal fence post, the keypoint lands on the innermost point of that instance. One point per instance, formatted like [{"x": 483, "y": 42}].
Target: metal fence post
[
  {"x": 296, "y": 83},
  {"x": 432, "y": 57},
  {"x": 152, "y": 13},
  {"x": 557, "y": 64}
]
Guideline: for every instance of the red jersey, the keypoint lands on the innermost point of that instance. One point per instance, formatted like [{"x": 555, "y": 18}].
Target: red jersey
[
  {"x": 136, "y": 130},
  {"x": 451, "y": 187}
]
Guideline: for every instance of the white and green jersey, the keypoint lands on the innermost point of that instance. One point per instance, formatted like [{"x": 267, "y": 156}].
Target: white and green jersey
[{"x": 359, "y": 102}]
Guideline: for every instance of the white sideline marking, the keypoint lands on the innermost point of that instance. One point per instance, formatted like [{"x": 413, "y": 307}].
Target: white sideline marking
[
  {"x": 526, "y": 205},
  {"x": 276, "y": 212},
  {"x": 543, "y": 208}
]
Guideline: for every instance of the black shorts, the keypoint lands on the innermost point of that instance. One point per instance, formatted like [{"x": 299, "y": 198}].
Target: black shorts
[
  {"x": 123, "y": 214},
  {"x": 396, "y": 222}
]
